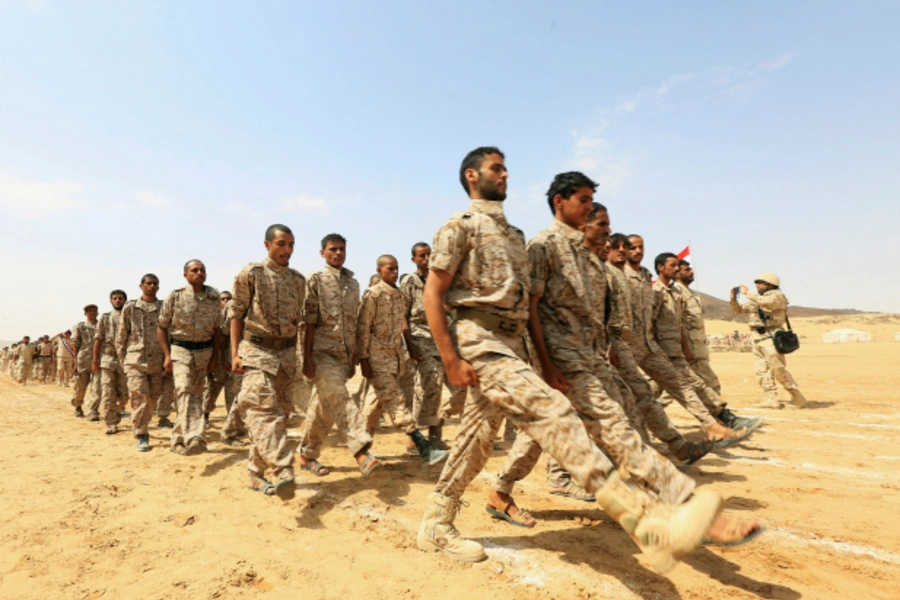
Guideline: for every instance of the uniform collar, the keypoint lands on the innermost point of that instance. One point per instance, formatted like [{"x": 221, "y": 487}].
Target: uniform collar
[
  {"x": 338, "y": 272},
  {"x": 488, "y": 207},
  {"x": 570, "y": 233},
  {"x": 274, "y": 266}
]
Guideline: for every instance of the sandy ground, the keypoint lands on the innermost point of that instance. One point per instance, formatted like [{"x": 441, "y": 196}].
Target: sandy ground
[{"x": 87, "y": 517}]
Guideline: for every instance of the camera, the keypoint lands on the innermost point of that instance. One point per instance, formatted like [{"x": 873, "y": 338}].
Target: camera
[{"x": 736, "y": 291}]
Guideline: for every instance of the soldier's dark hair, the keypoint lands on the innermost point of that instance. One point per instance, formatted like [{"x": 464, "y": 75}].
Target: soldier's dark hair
[
  {"x": 333, "y": 237},
  {"x": 683, "y": 262},
  {"x": 473, "y": 160},
  {"x": 271, "y": 230},
  {"x": 418, "y": 245},
  {"x": 596, "y": 209},
  {"x": 565, "y": 185},
  {"x": 223, "y": 292},
  {"x": 114, "y": 292},
  {"x": 661, "y": 259},
  {"x": 619, "y": 239},
  {"x": 635, "y": 235},
  {"x": 150, "y": 276},
  {"x": 193, "y": 260}
]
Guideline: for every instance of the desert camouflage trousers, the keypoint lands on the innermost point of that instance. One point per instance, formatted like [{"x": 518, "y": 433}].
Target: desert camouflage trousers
[
  {"x": 189, "y": 373},
  {"x": 509, "y": 387},
  {"x": 704, "y": 370},
  {"x": 144, "y": 388},
  {"x": 262, "y": 403},
  {"x": 113, "y": 392},
  {"x": 770, "y": 366},
  {"x": 216, "y": 382},
  {"x": 64, "y": 371},
  {"x": 83, "y": 380},
  {"x": 652, "y": 413},
  {"x": 387, "y": 397},
  {"x": 42, "y": 368},
  {"x": 675, "y": 381},
  {"x": 595, "y": 397},
  {"x": 22, "y": 371},
  {"x": 329, "y": 405},
  {"x": 422, "y": 387}
]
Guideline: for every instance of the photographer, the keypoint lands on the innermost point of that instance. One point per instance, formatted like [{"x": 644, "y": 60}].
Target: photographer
[{"x": 768, "y": 313}]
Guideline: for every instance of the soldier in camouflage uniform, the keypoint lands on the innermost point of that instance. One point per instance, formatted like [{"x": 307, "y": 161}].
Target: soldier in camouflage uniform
[
  {"x": 479, "y": 268},
  {"x": 191, "y": 318},
  {"x": 694, "y": 323},
  {"x": 25, "y": 360},
  {"x": 113, "y": 384},
  {"x": 769, "y": 364},
  {"x": 44, "y": 359},
  {"x": 380, "y": 330},
  {"x": 65, "y": 359},
  {"x": 83, "y": 345},
  {"x": 141, "y": 356},
  {"x": 265, "y": 317},
  {"x": 650, "y": 356},
  {"x": 673, "y": 339},
  {"x": 425, "y": 392},
  {"x": 570, "y": 295},
  {"x": 221, "y": 378},
  {"x": 329, "y": 360}
]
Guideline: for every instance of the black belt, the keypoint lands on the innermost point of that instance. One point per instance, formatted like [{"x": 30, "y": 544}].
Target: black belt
[
  {"x": 193, "y": 345},
  {"x": 270, "y": 343},
  {"x": 43, "y": 356}
]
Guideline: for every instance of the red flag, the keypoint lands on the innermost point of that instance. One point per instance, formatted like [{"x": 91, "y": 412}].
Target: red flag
[{"x": 685, "y": 254}]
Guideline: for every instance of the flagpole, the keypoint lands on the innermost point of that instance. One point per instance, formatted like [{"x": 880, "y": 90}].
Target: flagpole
[{"x": 693, "y": 261}]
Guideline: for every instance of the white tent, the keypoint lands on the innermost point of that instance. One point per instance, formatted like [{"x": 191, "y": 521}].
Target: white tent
[{"x": 845, "y": 336}]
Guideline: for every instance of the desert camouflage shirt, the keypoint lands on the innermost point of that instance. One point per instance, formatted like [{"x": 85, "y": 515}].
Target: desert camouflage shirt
[
  {"x": 693, "y": 321},
  {"x": 774, "y": 308},
  {"x": 642, "y": 341},
  {"x": 136, "y": 341},
  {"x": 379, "y": 328},
  {"x": 561, "y": 275},
  {"x": 189, "y": 316},
  {"x": 269, "y": 299},
  {"x": 332, "y": 304},
  {"x": 83, "y": 344},
  {"x": 487, "y": 259},
  {"x": 412, "y": 286},
  {"x": 107, "y": 328},
  {"x": 620, "y": 321},
  {"x": 26, "y": 353},
  {"x": 668, "y": 311}
]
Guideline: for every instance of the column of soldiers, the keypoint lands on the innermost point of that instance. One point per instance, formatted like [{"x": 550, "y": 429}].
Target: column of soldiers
[{"x": 566, "y": 337}]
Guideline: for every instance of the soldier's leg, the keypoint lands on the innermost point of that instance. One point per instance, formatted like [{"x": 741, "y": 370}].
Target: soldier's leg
[
  {"x": 95, "y": 399},
  {"x": 215, "y": 381},
  {"x": 194, "y": 422},
  {"x": 110, "y": 399},
  {"x": 521, "y": 460},
  {"x": 141, "y": 403},
  {"x": 234, "y": 422},
  {"x": 708, "y": 396},
  {"x": 301, "y": 390},
  {"x": 431, "y": 375},
  {"x": 454, "y": 404},
  {"x": 606, "y": 422},
  {"x": 334, "y": 406},
  {"x": 777, "y": 365},
  {"x": 166, "y": 399},
  {"x": 660, "y": 369},
  {"x": 264, "y": 410},
  {"x": 704, "y": 370},
  {"x": 82, "y": 382}
]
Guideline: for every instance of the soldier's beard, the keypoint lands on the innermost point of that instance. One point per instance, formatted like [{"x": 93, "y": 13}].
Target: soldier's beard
[{"x": 488, "y": 191}]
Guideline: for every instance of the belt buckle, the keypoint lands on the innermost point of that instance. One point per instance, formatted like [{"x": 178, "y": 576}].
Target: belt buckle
[
  {"x": 256, "y": 339},
  {"x": 508, "y": 327}
]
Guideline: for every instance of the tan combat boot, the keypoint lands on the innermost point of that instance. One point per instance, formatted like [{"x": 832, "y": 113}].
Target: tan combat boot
[
  {"x": 437, "y": 533},
  {"x": 771, "y": 401},
  {"x": 797, "y": 398},
  {"x": 663, "y": 532}
]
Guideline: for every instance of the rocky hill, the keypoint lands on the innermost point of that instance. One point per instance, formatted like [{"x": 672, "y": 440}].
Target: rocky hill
[{"x": 719, "y": 310}]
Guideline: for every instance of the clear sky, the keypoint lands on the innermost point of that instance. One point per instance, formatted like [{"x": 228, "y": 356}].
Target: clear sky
[{"x": 137, "y": 135}]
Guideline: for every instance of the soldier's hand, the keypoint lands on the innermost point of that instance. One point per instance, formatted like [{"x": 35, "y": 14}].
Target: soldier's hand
[
  {"x": 237, "y": 365},
  {"x": 95, "y": 367},
  {"x": 554, "y": 378},
  {"x": 460, "y": 373},
  {"x": 744, "y": 289},
  {"x": 309, "y": 369},
  {"x": 414, "y": 353},
  {"x": 366, "y": 368},
  {"x": 167, "y": 365}
]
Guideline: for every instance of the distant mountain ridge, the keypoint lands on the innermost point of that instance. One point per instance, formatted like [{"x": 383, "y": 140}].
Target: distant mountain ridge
[{"x": 720, "y": 310}]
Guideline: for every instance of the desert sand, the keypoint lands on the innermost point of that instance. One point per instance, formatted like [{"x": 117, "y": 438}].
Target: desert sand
[{"x": 86, "y": 516}]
